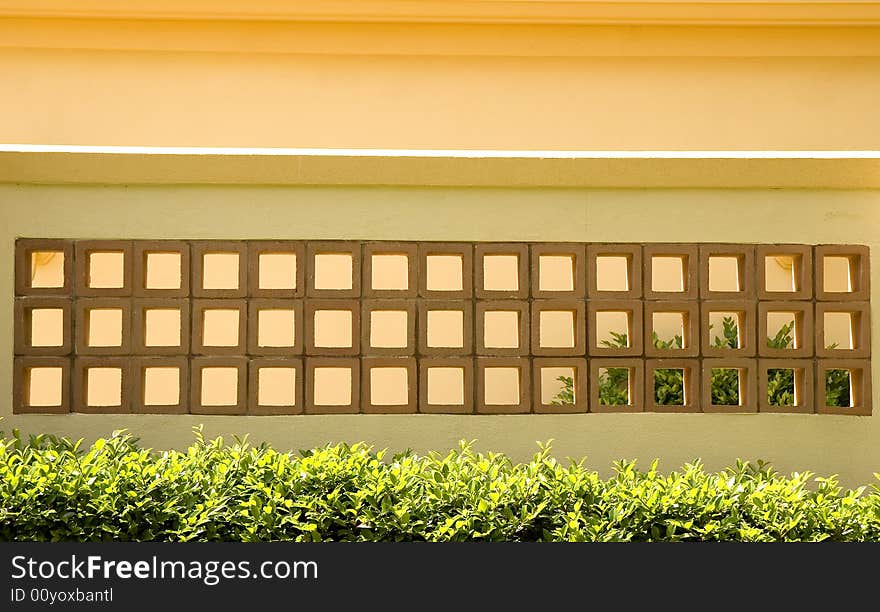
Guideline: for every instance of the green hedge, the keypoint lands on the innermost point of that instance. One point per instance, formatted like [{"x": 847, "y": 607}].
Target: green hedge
[{"x": 54, "y": 489}]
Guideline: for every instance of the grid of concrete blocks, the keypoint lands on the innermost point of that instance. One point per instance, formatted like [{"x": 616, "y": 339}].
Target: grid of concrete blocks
[{"x": 446, "y": 375}]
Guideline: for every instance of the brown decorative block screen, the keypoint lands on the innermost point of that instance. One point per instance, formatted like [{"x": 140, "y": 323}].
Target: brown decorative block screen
[{"x": 324, "y": 327}]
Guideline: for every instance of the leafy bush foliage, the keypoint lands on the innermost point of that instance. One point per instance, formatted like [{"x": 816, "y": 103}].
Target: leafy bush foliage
[{"x": 55, "y": 489}]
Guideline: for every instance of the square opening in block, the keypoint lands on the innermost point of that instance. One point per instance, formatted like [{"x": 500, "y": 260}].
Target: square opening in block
[
  {"x": 106, "y": 270},
  {"x": 612, "y": 329},
  {"x": 556, "y": 329},
  {"x": 104, "y": 327},
  {"x": 612, "y": 273},
  {"x": 668, "y": 273},
  {"x": 783, "y": 388},
  {"x": 445, "y": 329},
  {"x": 162, "y": 327},
  {"x": 390, "y": 272},
  {"x": 161, "y": 386},
  {"x": 389, "y": 386},
  {"x": 220, "y": 271},
  {"x": 724, "y": 273},
  {"x": 103, "y": 386},
  {"x": 501, "y": 272},
  {"x": 501, "y": 329},
  {"x": 445, "y": 273},
  {"x": 839, "y": 388},
  {"x": 47, "y": 269},
  {"x": 556, "y": 272},
  {"x": 668, "y": 330},
  {"x": 333, "y": 328},
  {"x": 334, "y": 271},
  {"x": 726, "y": 387},
  {"x": 276, "y": 327},
  {"x": 724, "y": 329},
  {"x": 219, "y": 386},
  {"x": 332, "y": 386},
  {"x": 220, "y": 327},
  {"x": 840, "y": 274},
  {"x": 276, "y": 386},
  {"x": 669, "y": 387},
  {"x": 501, "y": 386},
  {"x": 783, "y": 331},
  {"x": 781, "y": 273},
  {"x": 840, "y": 330},
  {"x": 446, "y": 386},
  {"x": 163, "y": 271},
  {"x": 615, "y": 386},
  {"x": 558, "y": 386},
  {"x": 388, "y": 329},
  {"x": 44, "y": 386},
  {"x": 276, "y": 271},
  {"x": 47, "y": 326}
]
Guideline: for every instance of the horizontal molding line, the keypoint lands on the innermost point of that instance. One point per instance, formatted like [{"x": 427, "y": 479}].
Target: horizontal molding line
[{"x": 433, "y": 153}]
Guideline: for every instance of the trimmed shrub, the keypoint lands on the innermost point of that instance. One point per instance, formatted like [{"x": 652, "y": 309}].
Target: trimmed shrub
[{"x": 55, "y": 489}]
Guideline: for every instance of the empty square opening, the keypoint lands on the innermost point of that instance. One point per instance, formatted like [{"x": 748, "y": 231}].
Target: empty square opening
[
  {"x": 47, "y": 327},
  {"x": 43, "y": 386},
  {"x": 726, "y": 387},
  {"x": 163, "y": 327},
  {"x": 161, "y": 386},
  {"x": 389, "y": 386},
  {"x": 669, "y": 387},
  {"x": 104, "y": 327},
  {"x": 669, "y": 330},
  {"x": 612, "y": 273},
  {"x": 220, "y": 327},
  {"x": 782, "y": 330},
  {"x": 334, "y": 271},
  {"x": 47, "y": 269},
  {"x": 163, "y": 271},
  {"x": 612, "y": 328},
  {"x": 220, "y": 271},
  {"x": 333, "y": 328},
  {"x": 276, "y": 327},
  {"x": 840, "y": 330},
  {"x": 276, "y": 386},
  {"x": 501, "y": 386},
  {"x": 332, "y": 386},
  {"x": 668, "y": 273},
  {"x": 445, "y": 329},
  {"x": 839, "y": 273},
  {"x": 277, "y": 271},
  {"x": 501, "y": 272},
  {"x": 556, "y": 329},
  {"x": 724, "y": 329},
  {"x": 781, "y": 273},
  {"x": 104, "y": 386},
  {"x": 839, "y": 388},
  {"x": 724, "y": 273},
  {"x": 615, "y": 386},
  {"x": 106, "y": 270},
  {"x": 782, "y": 387},
  {"x": 558, "y": 386},
  {"x": 388, "y": 329},
  {"x": 445, "y": 273},
  {"x": 556, "y": 273},
  {"x": 446, "y": 386},
  {"x": 390, "y": 272},
  {"x": 501, "y": 329},
  {"x": 219, "y": 386}
]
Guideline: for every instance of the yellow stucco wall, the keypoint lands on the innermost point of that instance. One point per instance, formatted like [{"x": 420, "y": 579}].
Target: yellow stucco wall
[{"x": 828, "y": 444}]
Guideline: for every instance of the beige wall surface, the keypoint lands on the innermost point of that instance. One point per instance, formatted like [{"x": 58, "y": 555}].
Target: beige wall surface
[{"x": 849, "y": 446}]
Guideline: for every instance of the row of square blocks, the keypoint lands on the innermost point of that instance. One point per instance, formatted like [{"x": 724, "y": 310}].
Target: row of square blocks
[
  {"x": 521, "y": 379},
  {"x": 518, "y": 327},
  {"x": 521, "y": 268}
]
